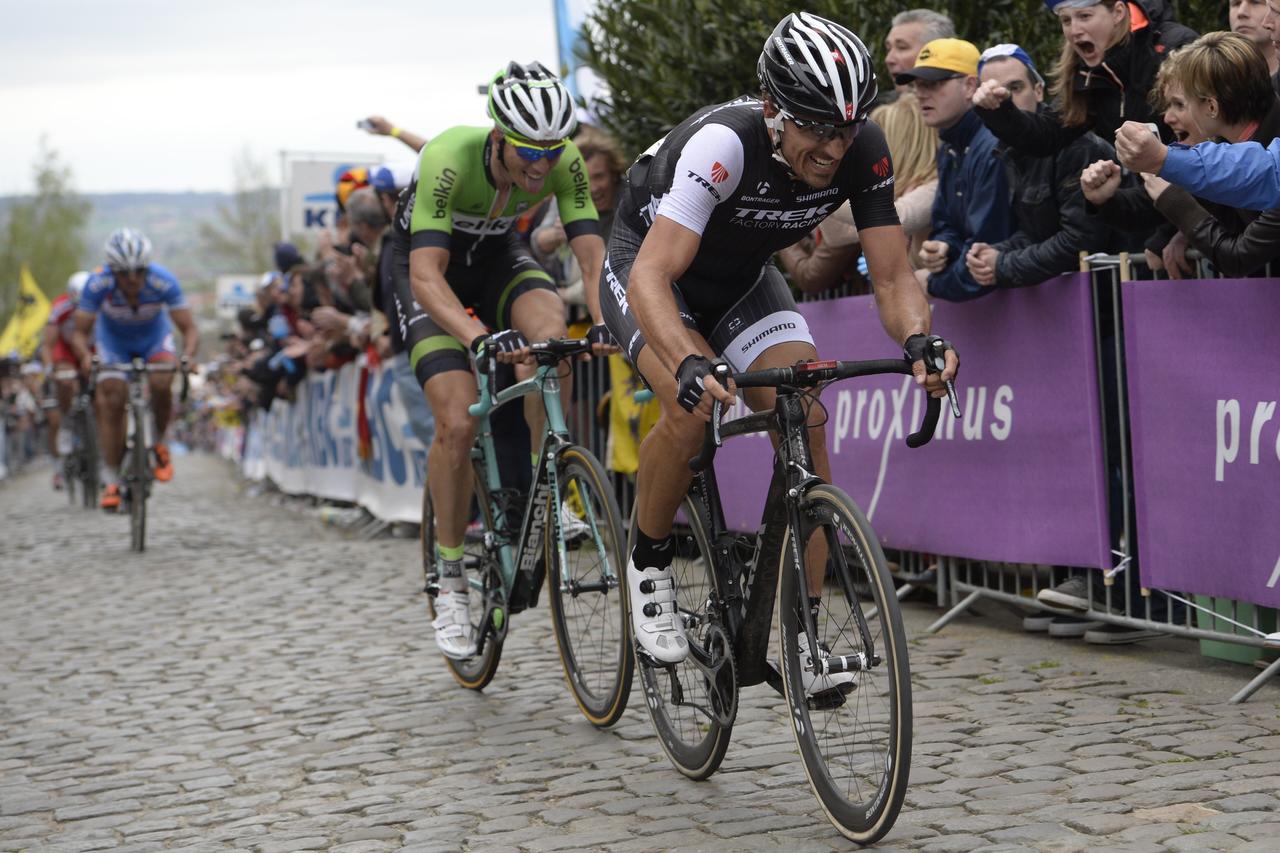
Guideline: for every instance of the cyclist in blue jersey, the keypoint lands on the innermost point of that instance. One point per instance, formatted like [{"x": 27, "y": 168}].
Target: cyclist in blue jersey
[{"x": 124, "y": 308}]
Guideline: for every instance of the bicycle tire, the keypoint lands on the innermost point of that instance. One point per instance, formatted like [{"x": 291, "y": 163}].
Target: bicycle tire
[
  {"x": 91, "y": 460},
  {"x": 138, "y": 495},
  {"x": 693, "y": 739},
  {"x": 483, "y": 571},
  {"x": 868, "y": 733},
  {"x": 593, "y": 630}
]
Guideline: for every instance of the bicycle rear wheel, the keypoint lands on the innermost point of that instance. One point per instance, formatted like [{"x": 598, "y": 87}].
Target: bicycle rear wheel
[
  {"x": 588, "y": 592},
  {"x": 487, "y": 598},
  {"x": 693, "y": 714},
  {"x": 855, "y": 745}
]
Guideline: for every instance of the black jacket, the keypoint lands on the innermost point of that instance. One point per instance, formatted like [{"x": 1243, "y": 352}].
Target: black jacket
[
  {"x": 1115, "y": 92},
  {"x": 1236, "y": 241},
  {"x": 1049, "y": 214}
]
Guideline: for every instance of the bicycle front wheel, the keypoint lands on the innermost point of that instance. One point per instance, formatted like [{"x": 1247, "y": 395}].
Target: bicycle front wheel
[
  {"x": 853, "y": 733},
  {"x": 484, "y": 577},
  {"x": 588, "y": 591},
  {"x": 89, "y": 461},
  {"x": 138, "y": 495}
]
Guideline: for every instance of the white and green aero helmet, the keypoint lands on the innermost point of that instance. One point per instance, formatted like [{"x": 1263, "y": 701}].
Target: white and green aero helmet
[{"x": 530, "y": 102}]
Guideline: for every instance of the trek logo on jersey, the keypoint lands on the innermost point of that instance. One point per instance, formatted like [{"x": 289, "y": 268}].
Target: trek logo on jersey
[
  {"x": 881, "y": 167},
  {"x": 719, "y": 173},
  {"x": 763, "y": 188},
  {"x": 444, "y": 184},
  {"x": 756, "y": 217},
  {"x": 705, "y": 184},
  {"x": 580, "y": 188}
]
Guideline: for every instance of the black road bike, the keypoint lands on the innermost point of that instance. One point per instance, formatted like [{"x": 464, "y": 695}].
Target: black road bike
[
  {"x": 80, "y": 465},
  {"x": 136, "y": 468},
  {"x": 854, "y": 737}
]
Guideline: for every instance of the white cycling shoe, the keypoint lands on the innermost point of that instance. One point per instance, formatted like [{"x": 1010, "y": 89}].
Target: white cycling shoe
[
  {"x": 452, "y": 625},
  {"x": 655, "y": 620},
  {"x": 814, "y": 683}
]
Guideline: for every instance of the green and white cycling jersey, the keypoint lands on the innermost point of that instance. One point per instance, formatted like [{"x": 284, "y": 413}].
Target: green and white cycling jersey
[{"x": 451, "y": 202}]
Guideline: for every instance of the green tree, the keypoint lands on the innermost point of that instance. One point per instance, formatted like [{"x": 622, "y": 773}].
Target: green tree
[
  {"x": 243, "y": 234},
  {"x": 663, "y": 59},
  {"x": 44, "y": 231}
]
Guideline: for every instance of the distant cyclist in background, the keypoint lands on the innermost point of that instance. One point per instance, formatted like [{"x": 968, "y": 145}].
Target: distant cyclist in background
[
  {"x": 58, "y": 356},
  {"x": 130, "y": 295}
]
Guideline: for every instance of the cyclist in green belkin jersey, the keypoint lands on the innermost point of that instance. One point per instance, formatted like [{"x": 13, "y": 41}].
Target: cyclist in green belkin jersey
[{"x": 463, "y": 280}]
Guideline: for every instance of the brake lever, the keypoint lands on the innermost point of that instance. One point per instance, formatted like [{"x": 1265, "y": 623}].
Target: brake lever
[{"x": 938, "y": 361}]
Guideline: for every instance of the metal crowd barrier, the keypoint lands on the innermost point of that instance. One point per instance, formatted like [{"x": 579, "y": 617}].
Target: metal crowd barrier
[{"x": 963, "y": 582}]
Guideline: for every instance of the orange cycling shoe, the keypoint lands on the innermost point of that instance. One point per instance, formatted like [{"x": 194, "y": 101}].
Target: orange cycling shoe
[
  {"x": 164, "y": 465},
  {"x": 110, "y": 497}
]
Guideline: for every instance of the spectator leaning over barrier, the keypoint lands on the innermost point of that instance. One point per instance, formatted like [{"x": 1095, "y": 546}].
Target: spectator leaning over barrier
[
  {"x": 379, "y": 126},
  {"x": 908, "y": 32},
  {"x": 1053, "y": 227},
  {"x": 1249, "y": 19},
  {"x": 972, "y": 203},
  {"x": 368, "y": 220},
  {"x": 1228, "y": 95},
  {"x": 1110, "y": 53},
  {"x": 1130, "y": 208},
  {"x": 830, "y": 256}
]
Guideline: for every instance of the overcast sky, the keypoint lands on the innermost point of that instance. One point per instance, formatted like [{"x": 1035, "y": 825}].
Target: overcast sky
[{"x": 161, "y": 94}]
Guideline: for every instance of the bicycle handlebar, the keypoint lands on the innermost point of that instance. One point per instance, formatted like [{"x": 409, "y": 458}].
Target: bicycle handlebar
[
  {"x": 545, "y": 353},
  {"x": 808, "y": 375}
]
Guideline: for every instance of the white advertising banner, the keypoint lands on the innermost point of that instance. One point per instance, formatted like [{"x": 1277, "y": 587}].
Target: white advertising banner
[
  {"x": 311, "y": 446},
  {"x": 310, "y": 203},
  {"x": 234, "y": 292}
]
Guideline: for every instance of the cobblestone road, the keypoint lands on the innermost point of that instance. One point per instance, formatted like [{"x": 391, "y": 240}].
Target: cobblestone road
[{"x": 257, "y": 681}]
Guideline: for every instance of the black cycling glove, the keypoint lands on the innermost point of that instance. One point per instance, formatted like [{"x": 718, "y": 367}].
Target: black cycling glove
[
  {"x": 930, "y": 349},
  {"x": 690, "y": 377},
  {"x": 506, "y": 341},
  {"x": 599, "y": 334}
]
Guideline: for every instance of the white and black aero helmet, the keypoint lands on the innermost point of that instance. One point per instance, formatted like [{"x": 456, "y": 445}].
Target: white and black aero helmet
[
  {"x": 816, "y": 70},
  {"x": 75, "y": 284},
  {"x": 530, "y": 102},
  {"x": 128, "y": 250}
]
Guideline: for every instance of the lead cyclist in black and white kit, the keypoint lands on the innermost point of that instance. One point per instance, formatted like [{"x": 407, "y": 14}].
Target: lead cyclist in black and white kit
[{"x": 688, "y": 278}]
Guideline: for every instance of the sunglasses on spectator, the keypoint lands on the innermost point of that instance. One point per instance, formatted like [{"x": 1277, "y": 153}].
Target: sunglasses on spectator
[
  {"x": 532, "y": 152},
  {"x": 825, "y": 132}
]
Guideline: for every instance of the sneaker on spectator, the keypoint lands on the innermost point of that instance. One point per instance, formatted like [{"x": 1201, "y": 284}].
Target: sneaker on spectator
[
  {"x": 57, "y": 480},
  {"x": 1119, "y": 635},
  {"x": 1037, "y": 623},
  {"x": 1070, "y": 626},
  {"x": 110, "y": 497},
  {"x": 1073, "y": 593}
]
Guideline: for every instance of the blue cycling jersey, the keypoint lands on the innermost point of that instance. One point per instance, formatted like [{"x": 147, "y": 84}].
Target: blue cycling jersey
[{"x": 121, "y": 323}]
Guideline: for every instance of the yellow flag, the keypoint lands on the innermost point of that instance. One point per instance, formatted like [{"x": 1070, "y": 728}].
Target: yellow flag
[{"x": 26, "y": 326}]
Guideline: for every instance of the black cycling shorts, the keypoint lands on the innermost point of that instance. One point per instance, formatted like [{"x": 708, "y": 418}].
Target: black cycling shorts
[
  {"x": 737, "y": 325},
  {"x": 488, "y": 287}
]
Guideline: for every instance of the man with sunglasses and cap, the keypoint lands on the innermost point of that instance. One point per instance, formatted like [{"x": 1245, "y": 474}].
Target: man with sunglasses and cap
[
  {"x": 688, "y": 276},
  {"x": 972, "y": 204},
  {"x": 459, "y": 272}
]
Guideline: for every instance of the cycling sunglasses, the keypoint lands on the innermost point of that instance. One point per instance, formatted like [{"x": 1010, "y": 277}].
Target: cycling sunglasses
[
  {"x": 126, "y": 271},
  {"x": 825, "y": 132},
  {"x": 532, "y": 152}
]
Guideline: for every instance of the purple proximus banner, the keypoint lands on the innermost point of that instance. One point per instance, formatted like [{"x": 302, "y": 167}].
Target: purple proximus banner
[
  {"x": 1203, "y": 361},
  {"x": 1019, "y": 478}
]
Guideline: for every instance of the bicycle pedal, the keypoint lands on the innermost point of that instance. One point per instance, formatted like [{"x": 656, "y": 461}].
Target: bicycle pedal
[
  {"x": 829, "y": 700},
  {"x": 645, "y": 659}
]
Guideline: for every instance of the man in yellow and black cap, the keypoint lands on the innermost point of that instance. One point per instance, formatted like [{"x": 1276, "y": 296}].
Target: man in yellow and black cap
[{"x": 973, "y": 202}]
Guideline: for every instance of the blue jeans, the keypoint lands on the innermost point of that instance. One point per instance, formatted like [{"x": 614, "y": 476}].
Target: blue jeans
[{"x": 421, "y": 421}]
